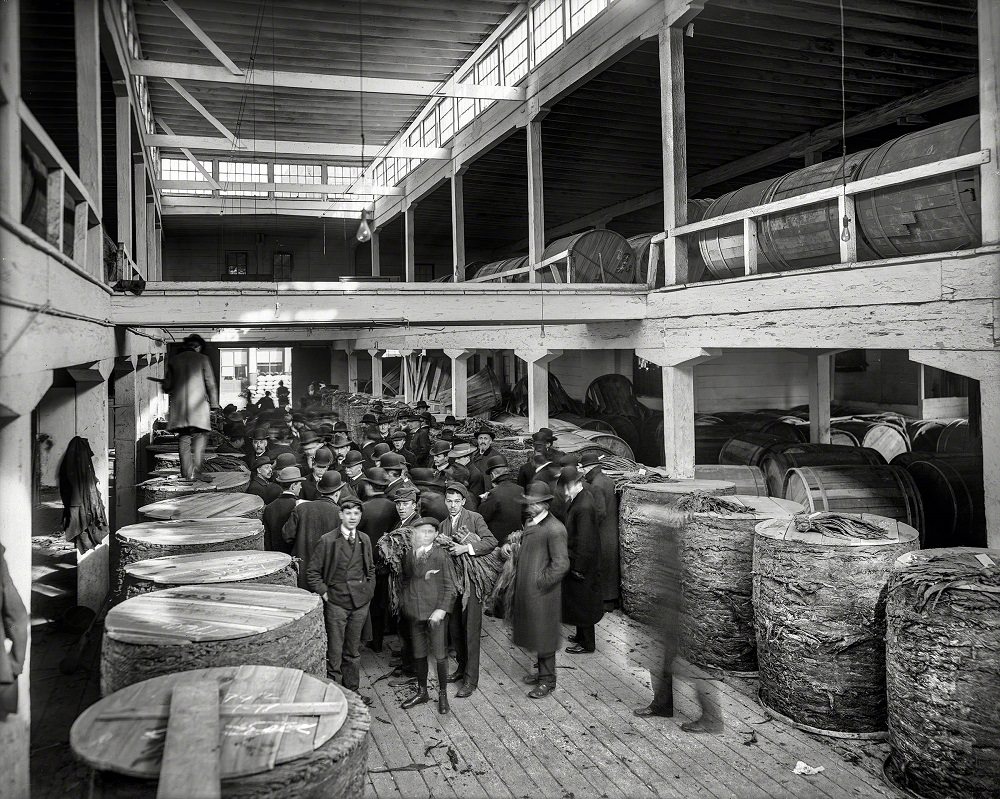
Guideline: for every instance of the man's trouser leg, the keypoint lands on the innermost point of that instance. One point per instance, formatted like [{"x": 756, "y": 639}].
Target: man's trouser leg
[
  {"x": 586, "y": 636},
  {"x": 198, "y": 443},
  {"x": 336, "y": 627},
  {"x": 547, "y": 668},
  {"x": 472, "y": 627},
  {"x": 352, "y": 646},
  {"x": 187, "y": 457}
]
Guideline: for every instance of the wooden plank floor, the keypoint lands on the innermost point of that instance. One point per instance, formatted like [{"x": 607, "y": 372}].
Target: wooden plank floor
[{"x": 583, "y": 741}]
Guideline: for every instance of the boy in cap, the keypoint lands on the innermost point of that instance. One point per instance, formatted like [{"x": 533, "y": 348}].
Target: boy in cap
[
  {"x": 309, "y": 521},
  {"x": 289, "y": 480},
  {"x": 398, "y": 441},
  {"x": 426, "y": 595},
  {"x": 342, "y": 571},
  {"x": 470, "y": 536},
  {"x": 260, "y": 484}
]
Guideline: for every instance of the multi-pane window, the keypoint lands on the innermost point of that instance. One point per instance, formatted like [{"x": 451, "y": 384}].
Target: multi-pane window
[
  {"x": 236, "y": 262},
  {"x": 546, "y": 28},
  {"x": 428, "y": 131},
  {"x": 488, "y": 74},
  {"x": 298, "y": 173},
  {"x": 242, "y": 172},
  {"x": 233, "y": 364},
  {"x": 515, "y": 53},
  {"x": 282, "y": 265},
  {"x": 182, "y": 169},
  {"x": 582, "y": 11},
  {"x": 446, "y": 119},
  {"x": 346, "y": 175},
  {"x": 466, "y": 112},
  {"x": 413, "y": 140},
  {"x": 270, "y": 362}
]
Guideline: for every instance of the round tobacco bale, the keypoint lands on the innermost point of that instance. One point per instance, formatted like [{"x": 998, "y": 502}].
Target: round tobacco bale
[
  {"x": 205, "y": 506},
  {"x": 209, "y": 568},
  {"x": 819, "y": 617},
  {"x": 647, "y": 516},
  {"x": 319, "y": 756},
  {"x": 172, "y": 460},
  {"x": 174, "y": 486},
  {"x": 716, "y": 558},
  {"x": 193, "y": 627},
  {"x": 943, "y": 672}
]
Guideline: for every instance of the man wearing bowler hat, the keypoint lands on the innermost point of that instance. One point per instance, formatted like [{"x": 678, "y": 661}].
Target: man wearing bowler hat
[
  {"x": 439, "y": 458},
  {"x": 582, "y": 595},
  {"x": 431, "y": 487},
  {"x": 379, "y": 518},
  {"x": 461, "y": 455},
  {"x": 420, "y": 444},
  {"x": 322, "y": 462},
  {"x": 502, "y": 509},
  {"x": 309, "y": 521},
  {"x": 606, "y": 500},
  {"x": 545, "y": 454},
  {"x": 289, "y": 479},
  {"x": 260, "y": 484}
]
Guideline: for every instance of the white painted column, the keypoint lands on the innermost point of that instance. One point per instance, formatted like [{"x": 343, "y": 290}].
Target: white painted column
[
  {"x": 123, "y": 162},
  {"x": 409, "y": 246},
  {"x": 125, "y": 415},
  {"x": 460, "y": 381},
  {"x": 406, "y": 375},
  {"x": 10, "y": 118},
  {"x": 377, "y": 388},
  {"x": 537, "y": 362},
  {"x": 352, "y": 369},
  {"x": 141, "y": 252},
  {"x": 376, "y": 262},
  {"x": 678, "y": 404},
  {"x": 673, "y": 128},
  {"x": 536, "y": 198},
  {"x": 820, "y": 396},
  {"x": 988, "y": 21},
  {"x": 458, "y": 226}
]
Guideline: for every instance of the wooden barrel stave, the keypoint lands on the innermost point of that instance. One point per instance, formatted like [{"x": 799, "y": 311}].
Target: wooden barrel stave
[
  {"x": 749, "y": 480},
  {"x": 888, "y": 438},
  {"x": 953, "y": 497},
  {"x": 748, "y": 449},
  {"x": 778, "y": 459}
]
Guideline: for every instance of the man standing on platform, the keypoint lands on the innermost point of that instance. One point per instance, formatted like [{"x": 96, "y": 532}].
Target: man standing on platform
[
  {"x": 470, "y": 536},
  {"x": 502, "y": 509},
  {"x": 606, "y": 500},
  {"x": 260, "y": 484},
  {"x": 276, "y": 513},
  {"x": 190, "y": 383},
  {"x": 311, "y": 520},
  {"x": 541, "y": 564},
  {"x": 582, "y": 597},
  {"x": 342, "y": 571}
]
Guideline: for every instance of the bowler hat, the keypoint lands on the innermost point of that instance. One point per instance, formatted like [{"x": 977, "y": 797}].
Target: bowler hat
[
  {"x": 261, "y": 460},
  {"x": 462, "y": 450},
  {"x": 570, "y": 474},
  {"x": 392, "y": 460},
  {"x": 376, "y": 477},
  {"x": 457, "y": 488},
  {"x": 446, "y": 435},
  {"x": 537, "y": 492},
  {"x": 380, "y": 450},
  {"x": 307, "y": 436},
  {"x": 330, "y": 483},
  {"x": 323, "y": 457},
  {"x": 440, "y": 448},
  {"x": 569, "y": 459},
  {"x": 496, "y": 462},
  {"x": 421, "y": 404},
  {"x": 590, "y": 459},
  {"x": 285, "y": 459},
  {"x": 449, "y": 419},
  {"x": 340, "y": 427},
  {"x": 382, "y": 419},
  {"x": 428, "y": 418},
  {"x": 350, "y": 501},
  {"x": 368, "y": 418},
  {"x": 353, "y": 458},
  {"x": 485, "y": 431},
  {"x": 426, "y": 477},
  {"x": 290, "y": 474},
  {"x": 340, "y": 440},
  {"x": 260, "y": 434},
  {"x": 543, "y": 436}
]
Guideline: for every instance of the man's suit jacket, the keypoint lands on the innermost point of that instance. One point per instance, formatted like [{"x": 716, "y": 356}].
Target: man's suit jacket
[
  {"x": 503, "y": 509},
  {"x": 470, "y": 529},
  {"x": 264, "y": 489},
  {"x": 307, "y": 524},
  {"x": 325, "y": 559},
  {"x": 275, "y": 515}
]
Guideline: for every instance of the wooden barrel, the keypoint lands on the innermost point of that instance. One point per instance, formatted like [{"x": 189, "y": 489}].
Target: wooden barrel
[
  {"x": 609, "y": 441},
  {"x": 205, "y": 506},
  {"x": 956, "y": 438},
  {"x": 172, "y": 460},
  {"x": 157, "y": 539},
  {"x": 496, "y": 267},
  {"x": 924, "y": 434},
  {"x": 161, "y": 488},
  {"x": 888, "y": 439},
  {"x": 749, "y": 480},
  {"x": 943, "y": 673},
  {"x": 853, "y": 427},
  {"x": 197, "y": 627},
  {"x": 951, "y": 489},
  {"x": 594, "y": 256},
  {"x": 722, "y": 248},
  {"x": 626, "y": 428},
  {"x": 574, "y": 444},
  {"x": 748, "y": 449},
  {"x": 820, "y": 625},
  {"x": 209, "y": 568},
  {"x": 641, "y": 245},
  {"x": 785, "y": 428},
  {"x": 320, "y": 749},
  {"x": 881, "y": 490},
  {"x": 780, "y": 458},
  {"x": 648, "y": 522},
  {"x": 708, "y": 441},
  {"x": 716, "y": 556},
  {"x": 937, "y": 214},
  {"x": 843, "y": 438},
  {"x": 580, "y": 422},
  {"x": 650, "y": 450},
  {"x": 562, "y": 426}
]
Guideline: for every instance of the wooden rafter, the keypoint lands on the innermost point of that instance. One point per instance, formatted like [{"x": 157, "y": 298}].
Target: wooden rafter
[
  {"x": 189, "y": 155},
  {"x": 317, "y": 188},
  {"x": 204, "y": 38},
  {"x": 197, "y": 106}
]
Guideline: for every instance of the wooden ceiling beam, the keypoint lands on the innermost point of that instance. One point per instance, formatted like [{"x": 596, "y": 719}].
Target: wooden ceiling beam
[
  {"x": 322, "y": 82},
  {"x": 267, "y": 147},
  {"x": 204, "y": 38},
  {"x": 212, "y": 182},
  {"x": 197, "y": 106},
  {"x": 315, "y": 188}
]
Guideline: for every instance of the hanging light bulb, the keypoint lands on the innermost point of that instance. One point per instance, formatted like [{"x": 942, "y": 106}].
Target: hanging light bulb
[
  {"x": 364, "y": 233},
  {"x": 844, "y": 236}
]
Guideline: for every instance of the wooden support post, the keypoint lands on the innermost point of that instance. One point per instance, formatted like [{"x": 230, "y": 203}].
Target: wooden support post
[
  {"x": 921, "y": 390},
  {"x": 848, "y": 229},
  {"x": 537, "y": 362},
  {"x": 678, "y": 403},
  {"x": 125, "y": 415},
  {"x": 10, "y": 116},
  {"x": 458, "y": 224},
  {"x": 81, "y": 222},
  {"x": 151, "y": 241},
  {"x": 536, "y": 196},
  {"x": 376, "y": 263},
  {"x": 352, "y": 368},
  {"x": 123, "y": 163},
  {"x": 673, "y": 129},
  {"x": 88, "y": 96},
  {"x": 750, "y": 245},
  {"x": 93, "y": 576},
  {"x": 377, "y": 388},
  {"x": 409, "y": 248},
  {"x": 55, "y": 209},
  {"x": 406, "y": 383},
  {"x": 820, "y": 396},
  {"x": 988, "y": 21},
  {"x": 140, "y": 255},
  {"x": 460, "y": 381}
]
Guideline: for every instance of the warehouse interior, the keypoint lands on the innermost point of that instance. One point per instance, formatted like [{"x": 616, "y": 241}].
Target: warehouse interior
[{"x": 691, "y": 235}]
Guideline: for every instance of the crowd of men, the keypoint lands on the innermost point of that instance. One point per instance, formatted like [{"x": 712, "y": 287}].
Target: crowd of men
[{"x": 329, "y": 500}]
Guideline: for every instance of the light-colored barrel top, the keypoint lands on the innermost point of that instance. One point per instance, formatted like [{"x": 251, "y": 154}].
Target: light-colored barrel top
[
  {"x": 216, "y": 481},
  {"x": 785, "y": 530},
  {"x": 173, "y": 446},
  {"x": 204, "y": 506},
  {"x": 123, "y": 732},
  {"x": 193, "y": 613},
  {"x": 755, "y": 507},
  {"x": 173, "y": 456},
  {"x": 192, "y": 531},
  {"x": 686, "y": 487},
  {"x": 205, "y": 568}
]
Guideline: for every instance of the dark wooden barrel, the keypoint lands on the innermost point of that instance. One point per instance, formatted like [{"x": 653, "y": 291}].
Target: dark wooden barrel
[
  {"x": 496, "y": 267},
  {"x": 749, "y": 480},
  {"x": 594, "y": 256},
  {"x": 209, "y": 568},
  {"x": 888, "y": 438},
  {"x": 709, "y": 441},
  {"x": 956, "y": 438},
  {"x": 779, "y": 459},
  {"x": 924, "y": 434},
  {"x": 722, "y": 248},
  {"x": 954, "y": 505},
  {"x": 625, "y": 427},
  {"x": 853, "y": 427},
  {"x": 611, "y": 442},
  {"x": 196, "y": 627},
  {"x": 583, "y": 422},
  {"x": 882, "y": 490},
  {"x": 785, "y": 428},
  {"x": 317, "y": 750},
  {"x": 843, "y": 438},
  {"x": 641, "y": 245},
  {"x": 818, "y": 613},
  {"x": 747, "y": 449},
  {"x": 936, "y": 214}
]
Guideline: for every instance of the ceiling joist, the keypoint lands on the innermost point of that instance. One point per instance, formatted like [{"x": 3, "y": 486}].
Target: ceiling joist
[
  {"x": 311, "y": 188},
  {"x": 204, "y": 38},
  {"x": 295, "y": 149},
  {"x": 197, "y": 106}
]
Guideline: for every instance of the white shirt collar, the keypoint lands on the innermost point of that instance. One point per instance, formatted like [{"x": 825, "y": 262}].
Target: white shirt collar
[
  {"x": 348, "y": 534},
  {"x": 539, "y": 518}
]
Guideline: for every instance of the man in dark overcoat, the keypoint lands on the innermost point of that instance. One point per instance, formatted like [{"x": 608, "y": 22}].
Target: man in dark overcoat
[
  {"x": 502, "y": 510},
  {"x": 542, "y": 563},
  {"x": 379, "y": 518},
  {"x": 261, "y": 484},
  {"x": 582, "y": 598},
  {"x": 544, "y": 454},
  {"x": 603, "y": 490},
  {"x": 310, "y": 521},
  {"x": 190, "y": 383},
  {"x": 420, "y": 444},
  {"x": 276, "y": 513},
  {"x": 484, "y": 451}
]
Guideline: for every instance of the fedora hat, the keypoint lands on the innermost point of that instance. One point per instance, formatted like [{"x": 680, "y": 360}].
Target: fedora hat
[
  {"x": 288, "y": 475},
  {"x": 590, "y": 459},
  {"x": 537, "y": 492},
  {"x": 376, "y": 477},
  {"x": 426, "y": 477},
  {"x": 307, "y": 436},
  {"x": 496, "y": 462},
  {"x": 462, "y": 450},
  {"x": 340, "y": 440}
]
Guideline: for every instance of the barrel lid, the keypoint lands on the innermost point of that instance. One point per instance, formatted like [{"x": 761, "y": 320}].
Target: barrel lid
[
  {"x": 203, "y": 506},
  {"x": 686, "y": 486},
  {"x": 189, "y": 531},
  {"x": 217, "y": 481},
  {"x": 966, "y": 568},
  {"x": 123, "y": 732},
  {"x": 757, "y": 508},
  {"x": 785, "y": 530},
  {"x": 173, "y": 446},
  {"x": 191, "y": 613},
  {"x": 200, "y": 568},
  {"x": 175, "y": 456}
]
